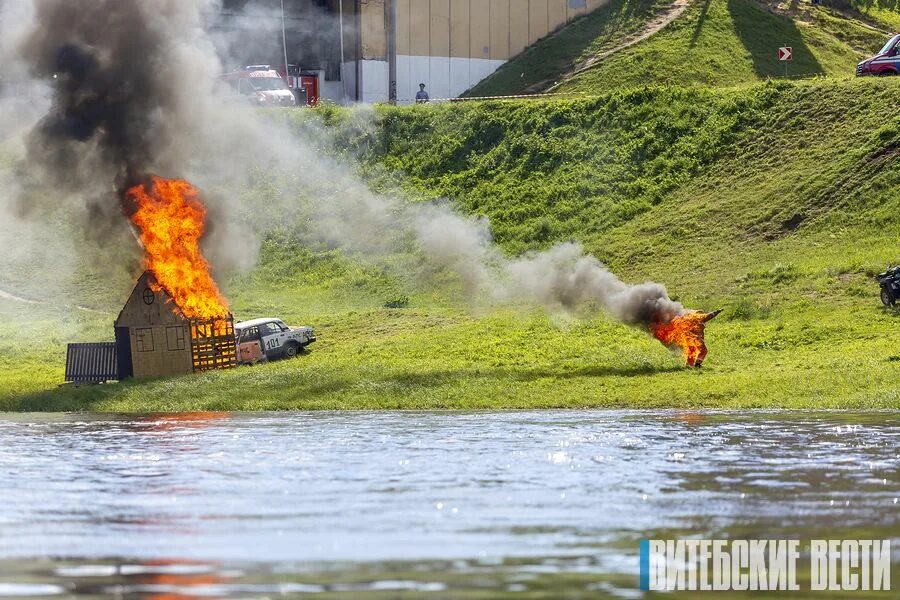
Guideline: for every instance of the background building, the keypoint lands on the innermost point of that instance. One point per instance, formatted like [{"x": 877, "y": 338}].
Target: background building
[
  {"x": 372, "y": 50},
  {"x": 450, "y": 45}
]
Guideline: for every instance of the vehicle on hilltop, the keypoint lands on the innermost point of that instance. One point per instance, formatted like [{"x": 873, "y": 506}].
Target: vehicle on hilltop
[{"x": 886, "y": 62}]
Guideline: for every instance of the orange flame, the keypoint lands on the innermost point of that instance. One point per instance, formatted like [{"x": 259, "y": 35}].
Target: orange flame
[
  {"x": 171, "y": 220},
  {"x": 686, "y": 332}
]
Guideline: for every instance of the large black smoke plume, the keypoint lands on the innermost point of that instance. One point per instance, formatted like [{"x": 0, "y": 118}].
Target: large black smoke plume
[{"x": 127, "y": 76}]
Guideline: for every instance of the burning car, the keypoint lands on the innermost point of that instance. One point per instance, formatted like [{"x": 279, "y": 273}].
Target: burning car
[
  {"x": 262, "y": 86},
  {"x": 268, "y": 339},
  {"x": 890, "y": 286},
  {"x": 886, "y": 62}
]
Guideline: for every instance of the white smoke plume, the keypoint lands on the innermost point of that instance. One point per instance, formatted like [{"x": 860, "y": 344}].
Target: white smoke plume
[{"x": 137, "y": 91}]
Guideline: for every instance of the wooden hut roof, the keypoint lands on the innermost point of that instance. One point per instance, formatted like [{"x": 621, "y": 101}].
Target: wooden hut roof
[{"x": 148, "y": 308}]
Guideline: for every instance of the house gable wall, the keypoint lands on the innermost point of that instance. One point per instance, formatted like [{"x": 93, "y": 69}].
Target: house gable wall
[{"x": 160, "y": 336}]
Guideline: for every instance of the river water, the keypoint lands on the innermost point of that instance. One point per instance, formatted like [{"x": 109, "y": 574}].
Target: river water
[{"x": 419, "y": 504}]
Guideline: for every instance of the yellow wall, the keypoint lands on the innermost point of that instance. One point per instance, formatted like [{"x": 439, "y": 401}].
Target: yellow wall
[
  {"x": 403, "y": 15},
  {"x": 439, "y": 26},
  {"x": 518, "y": 26},
  {"x": 464, "y": 28},
  {"x": 538, "y": 21},
  {"x": 373, "y": 38},
  {"x": 460, "y": 28},
  {"x": 161, "y": 361}
]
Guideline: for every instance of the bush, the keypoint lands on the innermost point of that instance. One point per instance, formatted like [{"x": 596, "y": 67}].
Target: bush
[{"x": 401, "y": 302}]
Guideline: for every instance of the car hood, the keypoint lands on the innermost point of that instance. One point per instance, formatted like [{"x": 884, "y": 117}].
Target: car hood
[{"x": 276, "y": 94}]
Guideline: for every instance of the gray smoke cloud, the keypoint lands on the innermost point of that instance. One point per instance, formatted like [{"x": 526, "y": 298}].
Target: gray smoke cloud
[
  {"x": 565, "y": 277},
  {"x": 561, "y": 279},
  {"x": 137, "y": 91}
]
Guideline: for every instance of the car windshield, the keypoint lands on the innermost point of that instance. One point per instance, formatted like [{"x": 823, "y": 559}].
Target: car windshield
[
  {"x": 265, "y": 84},
  {"x": 889, "y": 45}
]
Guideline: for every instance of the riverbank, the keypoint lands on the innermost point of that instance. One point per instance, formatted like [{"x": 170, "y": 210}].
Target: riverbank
[
  {"x": 776, "y": 203},
  {"x": 446, "y": 359}
]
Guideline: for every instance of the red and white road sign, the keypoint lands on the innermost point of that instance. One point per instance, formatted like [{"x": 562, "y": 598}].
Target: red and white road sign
[{"x": 785, "y": 53}]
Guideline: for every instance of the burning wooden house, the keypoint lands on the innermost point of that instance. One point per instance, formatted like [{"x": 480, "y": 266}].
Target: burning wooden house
[
  {"x": 176, "y": 320},
  {"x": 155, "y": 339}
]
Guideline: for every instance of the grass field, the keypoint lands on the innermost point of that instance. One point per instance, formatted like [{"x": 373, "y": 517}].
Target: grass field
[{"x": 776, "y": 202}]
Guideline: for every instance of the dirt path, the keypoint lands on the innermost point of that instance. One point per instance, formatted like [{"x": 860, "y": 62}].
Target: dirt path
[
  {"x": 653, "y": 26},
  {"x": 8, "y": 296},
  {"x": 14, "y": 298}
]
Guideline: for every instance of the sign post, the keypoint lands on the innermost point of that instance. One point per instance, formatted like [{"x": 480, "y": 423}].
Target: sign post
[{"x": 786, "y": 55}]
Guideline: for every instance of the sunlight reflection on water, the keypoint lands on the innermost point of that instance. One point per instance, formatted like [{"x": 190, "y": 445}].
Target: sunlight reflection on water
[{"x": 255, "y": 504}]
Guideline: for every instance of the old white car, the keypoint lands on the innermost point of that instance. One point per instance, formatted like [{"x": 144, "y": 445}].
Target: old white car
[{"x": 267, "y": 339}]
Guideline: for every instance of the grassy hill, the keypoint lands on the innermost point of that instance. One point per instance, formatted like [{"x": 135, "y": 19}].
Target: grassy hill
[
  {"x": 541, "y": 64},
  {"x": 715, "y": 42},
  {"x": 885, "y": 13},
  {"x": 776, "y": 202}
]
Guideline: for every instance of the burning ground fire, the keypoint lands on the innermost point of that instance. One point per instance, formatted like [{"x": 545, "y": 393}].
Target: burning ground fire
[
  {"x": 171, "y": 219},
  {"x": 686, "y": 332}
]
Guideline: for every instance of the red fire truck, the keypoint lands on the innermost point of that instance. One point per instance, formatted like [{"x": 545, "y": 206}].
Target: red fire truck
[{"x": 261, "y": 85}]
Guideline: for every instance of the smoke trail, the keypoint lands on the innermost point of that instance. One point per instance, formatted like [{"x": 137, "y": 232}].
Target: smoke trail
[
  {"x": 567, "y": 278},
  {"x": 562, "y": 278},
  {"x": 137, "y": 92}
]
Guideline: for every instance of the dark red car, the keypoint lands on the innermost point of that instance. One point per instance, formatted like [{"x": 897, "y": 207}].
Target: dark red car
[{"x": 886, "y": 62}]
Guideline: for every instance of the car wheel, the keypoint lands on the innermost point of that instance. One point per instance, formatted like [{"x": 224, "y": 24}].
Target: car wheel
[{"x": 290, "y": 351}]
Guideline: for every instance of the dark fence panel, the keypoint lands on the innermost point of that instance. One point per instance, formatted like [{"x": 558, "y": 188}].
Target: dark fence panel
[{"x": 91, "y": 363}]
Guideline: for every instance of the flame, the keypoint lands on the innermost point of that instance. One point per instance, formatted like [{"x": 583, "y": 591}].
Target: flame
[
  {"x": 171, "y": 219},
  {"x": 686, "y": 332}
]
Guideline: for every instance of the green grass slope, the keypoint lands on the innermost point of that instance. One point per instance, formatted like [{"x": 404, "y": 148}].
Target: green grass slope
[
  {"x": 715, "y": 42},
  {"x": 551, "y": 170},
  {"x": 735, "y": 42},
  {"x": 541, "y": 64},
  {"x": 776, "y": 202},
  {"x": 885, "y": 13}
]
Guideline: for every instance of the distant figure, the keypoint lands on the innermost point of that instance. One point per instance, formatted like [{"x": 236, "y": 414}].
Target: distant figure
[{"x": 421, "y": 95}]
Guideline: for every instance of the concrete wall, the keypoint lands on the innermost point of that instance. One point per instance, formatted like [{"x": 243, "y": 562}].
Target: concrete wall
[
  {"x": 374, "y": 80},
  {"x": 450, "y": 45}
]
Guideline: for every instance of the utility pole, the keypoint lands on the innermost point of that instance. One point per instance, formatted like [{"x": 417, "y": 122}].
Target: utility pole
[
  {"x": 284, "y": 43},
  {"x": 390, "y": 8},
  {"x": 341, "y": 68}
]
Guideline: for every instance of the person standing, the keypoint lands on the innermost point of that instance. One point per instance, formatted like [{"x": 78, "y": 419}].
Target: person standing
[{"x": 421, "y": 95}]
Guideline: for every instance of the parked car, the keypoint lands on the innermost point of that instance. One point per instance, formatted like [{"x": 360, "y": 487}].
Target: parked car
[
  {"x": 260, "y": 340},
  {"x": 886, "y": 62},
  {"x": 890, "y": 286}
]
